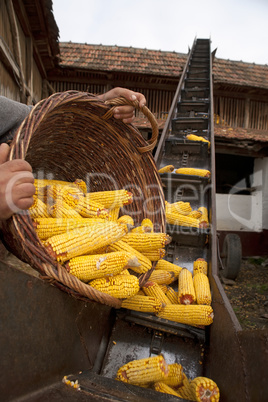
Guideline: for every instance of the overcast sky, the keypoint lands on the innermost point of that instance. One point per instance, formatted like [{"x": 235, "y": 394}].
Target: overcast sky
[{"x": 237, "y": 28}]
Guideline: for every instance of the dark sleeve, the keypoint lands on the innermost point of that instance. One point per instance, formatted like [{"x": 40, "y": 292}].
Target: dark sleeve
[{"x": 12, "y": 114}]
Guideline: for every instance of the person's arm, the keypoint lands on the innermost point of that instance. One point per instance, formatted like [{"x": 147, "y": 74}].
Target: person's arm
[
  {"x": 12, "y": 114},
  {"x": 16, "y": 184},
  {"x": 16, "y": 178},
  {"x": 125, "y": 113}
]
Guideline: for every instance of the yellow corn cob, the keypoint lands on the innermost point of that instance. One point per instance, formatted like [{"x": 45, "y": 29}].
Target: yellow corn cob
[
  {"x": 89, "y": 267},
  {"x": 160, "y": 386},
  {"x": 193, "y": 137},
  {"x": 162, "y": 277},
  {"x": 141, "y": 229},
  {"x": 90, "y": 209},
  {"x": 81, "y": 184},
  {"x": 204, "y": 214},
  {"x": 143, "y": 371},
  {"x": 180, "y": 207},
  {"x": 193, "y": 171},
  {"x": 200, "y": 265},
  {"x": 125, "y": 272},
  {"x": 166, "y": 169},
  {"x": 168, "y": 266},
  {"x": 111, "y": 199},
  {"x": 119, "y": 286},
  {"x": 154, "y": 290},
  {"x": 62, "y": 210},
  {"x": 202, "y": 289},
  {"x": 146, "y": 304},
  {"x": 171, "y": 294},
  {"x": 38, "y": 209},
  {"x": 199, "y": 389},
  {"x": 114, "y": 213},
  {"x": 41, "y": 193},
  {"x": 41, "y": 183},
  {"x": 204, "y": 389},
  {"x": 81, "y": 204},
  {"x": 186, "y": 292},
  {"x": 147, "y": 223},
  {"x": 126, "y": 219},
  {"x": 195, "y": 214},
  {"x": 145, "y": 263},
  {"x": 48, "y": 227},
  {"x": 185, "y": 380},
  {"x": 191, "y": 314},
  {"x": 147, "y": 241},
  {"x": 141, "y": 292},
  {"x": 146, "y": 226},
  {"x": 181, "y": 220},
  {"x": 155, "y": 254},
  {"x": 84, "y": 240},
  {"x": 66, "y": 193},
  {"x": 175, "y": 375},
  {"x": 185, "y": 391}
]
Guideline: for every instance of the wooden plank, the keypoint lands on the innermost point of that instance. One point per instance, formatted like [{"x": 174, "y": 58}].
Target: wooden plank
[
  {"x": 256, "y": 95},
  {"x": 7, "y": 59},
  {"x": 17, "y": 48}
]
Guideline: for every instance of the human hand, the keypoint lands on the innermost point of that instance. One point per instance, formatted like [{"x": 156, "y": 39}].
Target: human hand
[
  {"x": 125, "y": 113},
  {"x": 16, "y": 184}
]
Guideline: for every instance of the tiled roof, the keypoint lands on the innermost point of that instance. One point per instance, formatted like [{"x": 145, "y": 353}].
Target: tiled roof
[
  {"x": 245, "y": 134},
  {"x": 157, "y": 62},
  {"x": 239, "y": 133},
  {"x": 126, "y": 59},
  {"x": 240, "y": 73}
]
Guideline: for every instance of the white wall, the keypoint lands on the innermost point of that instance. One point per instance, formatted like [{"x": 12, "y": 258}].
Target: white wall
[
  {"x": 262, "y": 164},
  {"x": 236, "y": 212}
]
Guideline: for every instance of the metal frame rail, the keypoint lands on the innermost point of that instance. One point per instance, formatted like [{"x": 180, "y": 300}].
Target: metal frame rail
[{"x": 233, "y": 355}]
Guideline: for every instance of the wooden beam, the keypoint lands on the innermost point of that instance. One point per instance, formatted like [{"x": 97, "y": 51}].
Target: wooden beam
[
  {"x": 262, "y": 96},
  {"x": 246, "y": 116},
  {"x": 24, "y": 22},
  {"x": 232, "y": 148},
  {"x": 7, "y": 59},
  {"x": 17, "y": 48},
  {"x": 50, "y": 88},
  {"x": 112, "y": 81},
  {"x": 11, "y": 65},
  {"x": 22, "y": 16}
]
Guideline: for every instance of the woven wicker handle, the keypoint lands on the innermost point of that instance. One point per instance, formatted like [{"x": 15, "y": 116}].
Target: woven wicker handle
[{"x": 121, "y": 101}]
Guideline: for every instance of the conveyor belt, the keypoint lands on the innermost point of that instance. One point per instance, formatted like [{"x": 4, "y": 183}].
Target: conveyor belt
[{"x": 190, "y": 114}]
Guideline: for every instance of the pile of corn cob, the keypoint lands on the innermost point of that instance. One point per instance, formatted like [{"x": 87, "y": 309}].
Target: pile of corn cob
[
  {"x": 155, "y": 373},
  {"x": 83, "y": 232},
  {"x": 86, "y": 234},
  {"x": 187, "y": 171},
  {"x": 174, "y": 294},
  {"x": 181, "y": 213}
]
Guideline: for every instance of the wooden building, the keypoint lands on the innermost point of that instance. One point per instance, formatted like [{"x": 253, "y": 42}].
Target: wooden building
[
  {"x": 33, "y": 64},
  {"x": 29, "y": 48}
]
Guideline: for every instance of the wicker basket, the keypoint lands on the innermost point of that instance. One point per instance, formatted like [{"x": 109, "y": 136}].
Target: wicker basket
[{"x": 74, "y": 135}]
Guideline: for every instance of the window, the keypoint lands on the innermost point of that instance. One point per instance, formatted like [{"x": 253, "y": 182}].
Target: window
[{"x": 234, "y": 174}]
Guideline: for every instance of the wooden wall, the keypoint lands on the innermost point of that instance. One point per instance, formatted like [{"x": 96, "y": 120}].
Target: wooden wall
[
  {"x": 20, "y": 79},
  {"x": 19, "y": 76},
  {"x": 158, "y": 100},
  {"x": 239, "y": 112}
]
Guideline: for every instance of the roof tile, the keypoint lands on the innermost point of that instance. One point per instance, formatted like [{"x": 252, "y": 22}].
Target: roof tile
[{"x": 156, "y": 62}]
